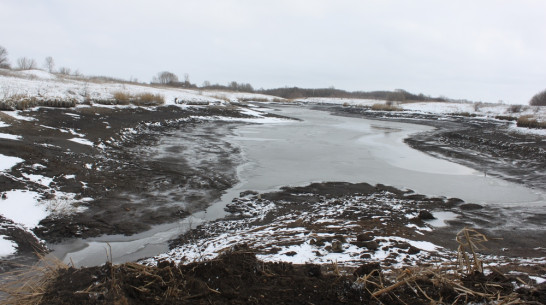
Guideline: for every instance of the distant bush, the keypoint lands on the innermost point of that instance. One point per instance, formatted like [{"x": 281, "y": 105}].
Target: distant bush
[
  {"x": 530, "y": 122},
  {"x": 539, "y": 99},
  {"x": 515, "y": 108},
  {"x": 385, "y": 107},
  {"x": 506, "y": 118}
]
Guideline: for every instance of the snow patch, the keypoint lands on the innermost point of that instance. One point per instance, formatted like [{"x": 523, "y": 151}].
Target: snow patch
[
  {"x": 538, "y": 280},
  {"x": 7, "y": 162},
  {"x": 43, "y": 180},
  {"x": 17, "y": 115},
  {"x": 23, "y": 207},
  {"x": 9, "y": 136},
  {"x": 82, "y": 141},
  {"x": 7, "y": 247}
]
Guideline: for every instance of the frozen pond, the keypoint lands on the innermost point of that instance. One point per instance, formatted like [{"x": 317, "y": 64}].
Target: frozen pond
[{"x": 320, "y": 147}]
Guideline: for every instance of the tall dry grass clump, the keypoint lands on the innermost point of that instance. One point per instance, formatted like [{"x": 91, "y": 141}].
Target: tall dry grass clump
[
  {"x": 122, "y": 98},
  {"x": 530, "y": 122},
  {"x": 28, "y": 285},
  {"x": 385, "y": 107},
  {"x": 149, "y": 99},
  {"x": 22, "y": 102},
  {"x": 141, "y": 99}
]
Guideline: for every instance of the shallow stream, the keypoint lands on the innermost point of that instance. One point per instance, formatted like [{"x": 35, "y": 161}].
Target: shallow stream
[{"x": 320, "y": 147}]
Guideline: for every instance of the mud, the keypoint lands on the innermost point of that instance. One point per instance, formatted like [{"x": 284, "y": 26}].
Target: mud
[
  {"x": 130, "y": 189},
  {"x": 361, "y": 215},
  {"x": 237, "y": 277}
]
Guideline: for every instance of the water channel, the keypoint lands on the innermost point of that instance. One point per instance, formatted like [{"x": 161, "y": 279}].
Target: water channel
[{"x": 319, "y": 147}]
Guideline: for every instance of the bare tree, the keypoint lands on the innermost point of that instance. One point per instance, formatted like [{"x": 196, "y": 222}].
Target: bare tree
[
  {"x": 49, "y": 64},
  {"x": 539, "y": 99},
  {"x": 25, "y": 63},
  {"x": 3, "y": 58},
  {"x": 165, "y": 77},
  {"x": 64, "y": 70}
]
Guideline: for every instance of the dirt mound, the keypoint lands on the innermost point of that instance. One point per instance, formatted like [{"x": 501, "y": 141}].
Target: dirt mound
[{"x": 237, "y": 277}]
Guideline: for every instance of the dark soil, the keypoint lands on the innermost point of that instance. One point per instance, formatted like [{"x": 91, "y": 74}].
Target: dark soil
[
  {"x": 376, "y": 211},
  {"x": 237, "y": 277},
  {"x": 131, "y": 189}
]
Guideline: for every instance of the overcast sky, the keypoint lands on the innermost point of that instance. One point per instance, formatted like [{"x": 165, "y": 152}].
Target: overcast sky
[{"x": 487, "y": 50}]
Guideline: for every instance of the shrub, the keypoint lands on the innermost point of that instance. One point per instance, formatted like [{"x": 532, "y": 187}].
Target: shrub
[
  {"x": 385, "y": 107},
  {"x": 539, "y": 99},
  {"x": 515, "y": 108},
  {"x": 530, "y": 122},
  {"x": 506, "y": 118}
]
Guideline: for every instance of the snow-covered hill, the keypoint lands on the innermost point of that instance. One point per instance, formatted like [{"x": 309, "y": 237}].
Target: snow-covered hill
[{"x": 42, "y": 85}]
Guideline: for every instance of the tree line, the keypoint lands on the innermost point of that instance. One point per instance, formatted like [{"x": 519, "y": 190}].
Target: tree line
[{"x": 167, "y": 78}]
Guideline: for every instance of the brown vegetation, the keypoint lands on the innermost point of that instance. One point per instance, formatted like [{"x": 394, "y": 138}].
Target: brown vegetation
[
  {"x": 385, "y": 107},
  {"x": 22, "y": 102},
  {"x": 141, "y": 99},
  {"x": 506, "y": 118},
  {"x": 530, "y": 122}
]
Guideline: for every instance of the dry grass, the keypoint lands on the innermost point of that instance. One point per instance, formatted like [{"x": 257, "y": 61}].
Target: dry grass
[
  {"x": 447, "y": 276},
  {"x": 506, "y": 118},
  {"x": 141, "y": 99},
  {"x": 28, "y": 285},
  {"x": 148, "y": 99},
  {"x": 22, "y": 102},
  {"x": 385, "y": 107},
  {"x": 122, "y": 98},
  {"x": 469, "y": 241},
  {"x": 530, "y": 122}
]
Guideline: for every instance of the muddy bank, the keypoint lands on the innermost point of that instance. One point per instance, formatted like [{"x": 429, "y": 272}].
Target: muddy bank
[
  {"x": 108, "y": 158},
  {"x": 486, "y": 145},
  {"x": 237, "y": 277},
  {"x": 350, "y": 223},
  {"x": 380, "y": 228}
]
